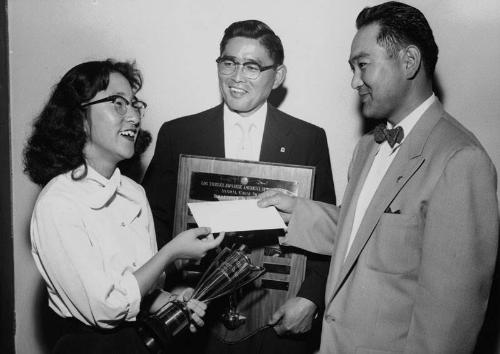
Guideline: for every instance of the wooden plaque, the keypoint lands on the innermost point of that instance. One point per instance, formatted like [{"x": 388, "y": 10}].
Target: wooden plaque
[{"x": 204, "y": 178}]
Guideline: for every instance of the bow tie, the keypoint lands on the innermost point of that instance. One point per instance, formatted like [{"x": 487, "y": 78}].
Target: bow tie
[{"x": 393, "y": 136}]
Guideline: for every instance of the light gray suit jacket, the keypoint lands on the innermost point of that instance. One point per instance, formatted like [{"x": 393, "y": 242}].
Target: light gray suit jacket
[{"x": 418, "y": 275}]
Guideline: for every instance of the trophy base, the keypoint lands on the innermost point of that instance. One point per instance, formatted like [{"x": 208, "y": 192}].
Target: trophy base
[
  {"x": 233, "y": 320},
  {"x": 154, "y": 336}
]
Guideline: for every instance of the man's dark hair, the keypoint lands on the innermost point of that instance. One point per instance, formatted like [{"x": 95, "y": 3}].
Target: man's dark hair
[
  {"x": 402, "y": 25},
  {"x": 58, "y": 138},
  {"x": 257, "y": 30}
]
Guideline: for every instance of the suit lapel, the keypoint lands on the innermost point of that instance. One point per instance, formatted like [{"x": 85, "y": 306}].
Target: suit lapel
[
  {"x": 277, "y": 138},
  {"x": 403, "y": 167},
  {"x": 396, "y": 177},
  {"x": 360, "y": 167},
  {"x": 215, "y": 132}
]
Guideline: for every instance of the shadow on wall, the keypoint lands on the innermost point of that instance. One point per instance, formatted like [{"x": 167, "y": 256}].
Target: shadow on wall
[
  {"x": 489, "y": 338},
  {"x": 47, "y": 328},
  {"x": 277, "y": 96},
  {"x": 132, "y": 167}
]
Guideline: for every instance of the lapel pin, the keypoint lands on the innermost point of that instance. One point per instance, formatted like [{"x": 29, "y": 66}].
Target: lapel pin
[
  {"x": 282, "y": 149},
  {"x": 399, "y": 179}
]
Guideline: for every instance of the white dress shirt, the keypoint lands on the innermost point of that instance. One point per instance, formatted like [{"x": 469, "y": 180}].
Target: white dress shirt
[
  {"x": 243, "y": 135},
  {"x": 380, "y": 165},
  {"x": 88, "y": 237}
]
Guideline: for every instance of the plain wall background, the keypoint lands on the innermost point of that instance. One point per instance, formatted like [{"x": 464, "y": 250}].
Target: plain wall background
[{"x": 175, "y": 44}]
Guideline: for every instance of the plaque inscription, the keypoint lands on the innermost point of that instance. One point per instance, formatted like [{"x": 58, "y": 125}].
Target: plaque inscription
[{"x": 212, "y": 186}]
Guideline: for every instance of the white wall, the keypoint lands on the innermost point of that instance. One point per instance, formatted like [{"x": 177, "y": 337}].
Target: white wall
[{"x": 175, "y": 44}]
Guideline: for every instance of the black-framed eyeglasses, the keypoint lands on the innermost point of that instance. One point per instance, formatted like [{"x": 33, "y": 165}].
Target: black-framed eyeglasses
[
  {"x": 121, "y": 105},
  {"x": 251, "y": 70}
]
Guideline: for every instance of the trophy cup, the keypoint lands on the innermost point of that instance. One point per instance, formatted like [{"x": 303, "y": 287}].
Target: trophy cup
[{"x": 229, "y": 271}]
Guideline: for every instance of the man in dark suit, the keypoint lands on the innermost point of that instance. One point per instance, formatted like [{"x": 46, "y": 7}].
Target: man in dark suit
[
  {"x": 414, "y": 245},
  {"x": 246, "y": 127}
]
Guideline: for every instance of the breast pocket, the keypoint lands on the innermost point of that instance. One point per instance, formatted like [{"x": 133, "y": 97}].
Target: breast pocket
[{"x": 395, "y": 247}]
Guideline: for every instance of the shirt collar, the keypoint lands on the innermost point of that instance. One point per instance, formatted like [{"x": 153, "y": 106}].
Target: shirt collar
[
  {"x": 97, "y": 191},
  {"x": 100, "y": 189},
  {"x": 258, "y": 117}
]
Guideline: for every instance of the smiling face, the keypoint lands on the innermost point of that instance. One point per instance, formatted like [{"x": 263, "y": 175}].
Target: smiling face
[
  {"x": 110, "y": 137},
  {"x": 242, "y": 95},
  {"x": 379, "y": 79}
]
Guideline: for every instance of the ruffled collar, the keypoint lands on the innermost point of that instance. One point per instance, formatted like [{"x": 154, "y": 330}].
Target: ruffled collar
[{"x": 98, "y": 191}]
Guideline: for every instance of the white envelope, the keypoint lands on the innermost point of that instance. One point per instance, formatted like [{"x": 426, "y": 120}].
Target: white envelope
[{"x": 236, "y": 215}]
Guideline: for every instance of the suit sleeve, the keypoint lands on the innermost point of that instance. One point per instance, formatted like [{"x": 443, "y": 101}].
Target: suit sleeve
[
  {"x": 313, "y": 286},
  {"x": 324, "y": 190},
  {"x": 459, "y": 248},
  {"x": 160, "y": 183},
  {"x": 312, "y": 227}
]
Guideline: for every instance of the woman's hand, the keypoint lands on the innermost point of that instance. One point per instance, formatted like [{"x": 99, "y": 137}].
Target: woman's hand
[
  {"x": 196, "y": 309},
  {"x": 190, "y": 244},
  {"x": 161, "y": 299},
  {"x": 193, "y": 244}
]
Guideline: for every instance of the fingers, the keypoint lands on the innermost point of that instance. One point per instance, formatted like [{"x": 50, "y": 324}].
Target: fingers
[
  {"x": 268, "y": 198},
  {"x": 276, "y": 317},
  {"x": 197, "y": 320},
  {"x": 180, "y": 263},
  {"x": 198, "y": 307},
  {"x": 200, "y": 231},
  {"x": 210, "y": 242},
  {"x": 280, "y": 329},
  {"x": 210, "y": 237},
  {"x": 277, "y": 198},
  {"x": 186, "y": 294},
  {"x": 278, "y": 321},
  {"x": 269, "y": 201},
  {"x": 197, "y": 310},
  {"x": 267, "y": 194},
  {"x": 217, "y": 241}
]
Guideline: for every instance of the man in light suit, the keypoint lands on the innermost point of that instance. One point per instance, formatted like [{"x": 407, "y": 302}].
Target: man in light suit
[
  {"x": 415, "y": 241},
  {"x": 246, "y": 127}
]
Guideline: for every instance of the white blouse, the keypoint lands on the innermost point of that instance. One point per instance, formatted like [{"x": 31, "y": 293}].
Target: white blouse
[{"x": 88, "y": 237}]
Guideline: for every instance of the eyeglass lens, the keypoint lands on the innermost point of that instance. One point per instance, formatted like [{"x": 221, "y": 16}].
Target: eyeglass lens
[
  {"x": 121, "y": 106},
  {"x": 250, "y": 70}
]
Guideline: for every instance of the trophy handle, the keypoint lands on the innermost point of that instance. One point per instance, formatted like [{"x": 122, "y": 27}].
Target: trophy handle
[
  {"x": 227, "y": 288},
  {"x": 260, "y": 271}
]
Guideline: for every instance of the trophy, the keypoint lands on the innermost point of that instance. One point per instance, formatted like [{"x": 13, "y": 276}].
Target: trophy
[{"x": 229, "y": 271}]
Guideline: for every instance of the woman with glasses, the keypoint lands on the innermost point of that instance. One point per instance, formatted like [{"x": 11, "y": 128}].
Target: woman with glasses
[{"x": 92, "y": 231}]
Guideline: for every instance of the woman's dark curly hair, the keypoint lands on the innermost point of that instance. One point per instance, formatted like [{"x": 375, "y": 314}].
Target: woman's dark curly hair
[{"x": 58, "y": 138}]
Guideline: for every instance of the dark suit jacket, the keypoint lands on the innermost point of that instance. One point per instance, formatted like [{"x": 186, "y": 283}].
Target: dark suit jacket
[{"x": 203, "y": 134}]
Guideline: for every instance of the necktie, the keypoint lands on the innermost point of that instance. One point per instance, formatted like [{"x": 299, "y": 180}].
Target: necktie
[
  {"x": 246, "y": 143},
  {"x": 393, "y": 136}
]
